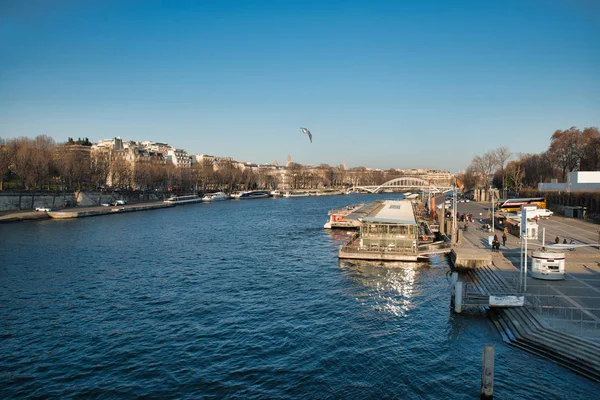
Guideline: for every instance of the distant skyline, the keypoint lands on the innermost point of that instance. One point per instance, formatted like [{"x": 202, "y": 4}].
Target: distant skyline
[{"x": 382, "y": 84}]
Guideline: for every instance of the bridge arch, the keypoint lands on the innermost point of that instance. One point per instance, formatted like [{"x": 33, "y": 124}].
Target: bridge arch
[{"x": 405, "y": 182}]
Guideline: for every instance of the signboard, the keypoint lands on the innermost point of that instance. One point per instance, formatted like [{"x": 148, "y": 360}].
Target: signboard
[
  {"x": 524, "y": 211},
  {"x": 507, "y": 301}
]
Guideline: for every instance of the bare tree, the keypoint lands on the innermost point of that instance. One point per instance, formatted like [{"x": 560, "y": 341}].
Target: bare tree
[
  {"x": 537, "y": 168},
  {"x": 590, "y": 152},
  {"x": 485, "y": 166},
  {"x": 565, "y": 149},
  {"x": 502, "y": 156},
  {"x": 6, "y": 160},
  {"x": 515, "y": 172}
]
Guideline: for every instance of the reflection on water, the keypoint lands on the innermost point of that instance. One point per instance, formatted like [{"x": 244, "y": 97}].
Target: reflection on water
[{"x": 386, "y": 286}]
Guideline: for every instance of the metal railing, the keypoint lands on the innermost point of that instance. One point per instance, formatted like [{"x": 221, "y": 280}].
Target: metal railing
[{"x": 563, "y": 316}]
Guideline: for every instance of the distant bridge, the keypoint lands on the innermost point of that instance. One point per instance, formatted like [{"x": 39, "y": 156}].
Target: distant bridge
[{"x": 404, "y": 183}]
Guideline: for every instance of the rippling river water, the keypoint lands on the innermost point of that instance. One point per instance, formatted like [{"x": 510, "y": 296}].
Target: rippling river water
[{"x": 238, "y": 299}]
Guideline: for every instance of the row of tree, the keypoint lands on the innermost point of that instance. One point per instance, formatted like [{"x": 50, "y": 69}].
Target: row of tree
[
  {"x": 570, "y": 150},
  {"x": 41, "y": 164}
]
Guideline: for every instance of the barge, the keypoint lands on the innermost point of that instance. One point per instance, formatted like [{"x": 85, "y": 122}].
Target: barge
[{"x": 390, "y": 231}]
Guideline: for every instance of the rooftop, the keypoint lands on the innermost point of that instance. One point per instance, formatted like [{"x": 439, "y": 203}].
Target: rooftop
[{"x": 393, "y": 212}]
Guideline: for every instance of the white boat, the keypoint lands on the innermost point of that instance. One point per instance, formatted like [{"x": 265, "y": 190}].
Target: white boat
[
  {"x": 192, "y": 198},
  {"x": 254, "y": 194},
  {"x": 276, "y": 193},
  {"x": 296, "y": 194},
  {"x": 218, "y": 196},
  {"x": 329, "y": 192},
  {"x": 338, "y": 217}
]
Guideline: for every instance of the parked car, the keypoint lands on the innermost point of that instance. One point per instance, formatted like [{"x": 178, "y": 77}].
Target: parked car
[
  {"x": 119, "y": 203},
  {"x": 45, "y": 209}
]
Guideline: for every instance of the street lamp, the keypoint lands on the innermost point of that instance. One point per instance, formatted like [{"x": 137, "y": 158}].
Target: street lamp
[{"x": 492, "y": 197}]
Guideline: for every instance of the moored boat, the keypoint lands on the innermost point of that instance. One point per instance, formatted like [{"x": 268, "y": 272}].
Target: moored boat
[
  {"x": 296, "y": 194},
  {"x": 253, "y": 194},
  {"x": 218, "y": 196},
  {"x": 192, "y": 198},
  {"x": 337, "y": 217}
]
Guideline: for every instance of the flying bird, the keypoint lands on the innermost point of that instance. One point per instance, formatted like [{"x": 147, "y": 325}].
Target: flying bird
[{"x": 304, "y": 130}]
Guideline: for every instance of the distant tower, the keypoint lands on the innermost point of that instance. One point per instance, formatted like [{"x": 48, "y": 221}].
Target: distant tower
[
  {"x": 289, "y": 161},
  {"x": 344, "y": 164}
]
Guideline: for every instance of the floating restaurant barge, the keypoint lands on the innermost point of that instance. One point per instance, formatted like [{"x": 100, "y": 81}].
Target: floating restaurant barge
[{"x": 390, "y": 231}]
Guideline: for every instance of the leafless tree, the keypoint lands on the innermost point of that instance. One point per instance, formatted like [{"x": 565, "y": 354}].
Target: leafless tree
[
  {"x": 565, "y": 149},
  {"x": 590, "y": 154},
  {"x": 502, "y": 156},
  {"x": 515, "y": 172},
  {"x": 485, "y": 166}
]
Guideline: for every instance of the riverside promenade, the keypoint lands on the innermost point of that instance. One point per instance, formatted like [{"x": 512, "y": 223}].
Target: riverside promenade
[
  {"x": 79, "y": 212},
  {"x": 561, "y": 319}
]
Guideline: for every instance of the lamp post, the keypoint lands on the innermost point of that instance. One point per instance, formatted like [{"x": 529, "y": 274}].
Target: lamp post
[
  {"x": 492, "y": 197},
  {"x": 454, "y": 227}
]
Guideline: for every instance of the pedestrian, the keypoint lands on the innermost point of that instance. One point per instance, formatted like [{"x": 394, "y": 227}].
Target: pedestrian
[
  {"x": 557, "y": 240},
  {"x": 504, "y": 239},
  {"x": 565, "y": 241},
  {"x": 495, "y": 238}
]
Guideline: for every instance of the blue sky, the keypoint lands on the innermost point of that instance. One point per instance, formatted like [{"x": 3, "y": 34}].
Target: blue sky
[{"x": 382, "y": 84}]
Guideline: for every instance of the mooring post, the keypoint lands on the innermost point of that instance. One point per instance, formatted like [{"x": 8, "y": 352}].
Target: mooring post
[
  {"x": 453, "y": 280},
  {"x": 458, "y": 296},
  {"x": 487, "y": 372}
]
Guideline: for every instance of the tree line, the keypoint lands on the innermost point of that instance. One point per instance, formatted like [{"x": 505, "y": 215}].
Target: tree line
[
  {"x": 569, "y": 150},
  {"x": 40, "y": 164}
]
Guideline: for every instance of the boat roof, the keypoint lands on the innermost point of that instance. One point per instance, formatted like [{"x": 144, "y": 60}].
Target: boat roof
[{"x": 393, "y": 212}]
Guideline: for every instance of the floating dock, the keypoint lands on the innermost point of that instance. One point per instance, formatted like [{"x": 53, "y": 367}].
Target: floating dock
[{"x": 389, "y": 231}]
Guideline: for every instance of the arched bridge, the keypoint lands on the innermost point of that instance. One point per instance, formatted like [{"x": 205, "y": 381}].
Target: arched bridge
[{"x": 404, "y": 183}]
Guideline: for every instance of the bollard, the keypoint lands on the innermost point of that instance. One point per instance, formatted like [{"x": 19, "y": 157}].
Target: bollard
[
  {"x": 487, "y": 372},
  {"x": 458, "y": 295}
]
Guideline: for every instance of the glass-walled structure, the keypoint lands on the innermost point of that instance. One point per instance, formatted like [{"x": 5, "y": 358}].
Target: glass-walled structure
[{"x": 392, "y": 227}]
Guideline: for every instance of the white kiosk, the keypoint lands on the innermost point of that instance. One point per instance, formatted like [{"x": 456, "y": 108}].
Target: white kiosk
[{"x": 548, "y": 265}]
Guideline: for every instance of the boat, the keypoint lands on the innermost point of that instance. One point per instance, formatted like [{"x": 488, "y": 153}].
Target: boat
[
  {"x": 296, "y": 194},
  {"x": 253, "y": 194},
  {"x": 329, "y": 192},
  {"x": 218, "y": 196},
  {"x": 192, "y": 198},
  {"x": 337, "y": 217},
  {"x": 276, "y": 193}
]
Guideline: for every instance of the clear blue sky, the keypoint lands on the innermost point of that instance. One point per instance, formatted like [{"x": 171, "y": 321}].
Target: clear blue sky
[{"x": 383, "y": 84}]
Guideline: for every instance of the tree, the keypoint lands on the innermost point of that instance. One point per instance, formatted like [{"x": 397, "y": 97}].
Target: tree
[
  {"x": 33, "y": 160},
  {"x": 515, "y": 172},
  {"x": 565, "y": 149},
  {"x": 485, "y": 166},
  {"x": 537, "y": 168},
  {"x": 6, "y": 160},
  {"x": 590, "y": 150},
  {"x": 502, "y": 155}
]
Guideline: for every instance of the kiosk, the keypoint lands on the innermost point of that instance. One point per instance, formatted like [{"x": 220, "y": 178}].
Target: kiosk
[{"x": 548, "y": 265}]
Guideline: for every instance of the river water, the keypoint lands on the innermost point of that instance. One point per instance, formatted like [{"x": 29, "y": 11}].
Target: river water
[{"x": 239, "y": 299}]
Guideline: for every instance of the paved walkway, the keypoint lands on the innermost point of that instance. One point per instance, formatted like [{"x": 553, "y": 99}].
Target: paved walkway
[{"x": 571, "y": 305}]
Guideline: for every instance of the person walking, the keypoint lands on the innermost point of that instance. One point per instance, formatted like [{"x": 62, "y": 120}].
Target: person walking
[
  {"x": 557, "y": 240},
  {"x": 504, "y": 239}
]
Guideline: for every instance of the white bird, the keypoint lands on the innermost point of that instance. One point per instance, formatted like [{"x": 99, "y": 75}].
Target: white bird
[{"x": 304, "y": 130}]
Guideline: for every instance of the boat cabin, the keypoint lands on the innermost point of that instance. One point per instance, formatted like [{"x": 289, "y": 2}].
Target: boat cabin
[{"x": 390, "y": 226}]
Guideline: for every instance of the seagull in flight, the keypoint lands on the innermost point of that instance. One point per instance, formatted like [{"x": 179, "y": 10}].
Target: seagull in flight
[{"x": 304, "y": 130}]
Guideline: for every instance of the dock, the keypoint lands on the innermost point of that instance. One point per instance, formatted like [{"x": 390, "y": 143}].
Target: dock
[
  {"x": 389, "y": 230},
  {"x": 558, "y": 320}
]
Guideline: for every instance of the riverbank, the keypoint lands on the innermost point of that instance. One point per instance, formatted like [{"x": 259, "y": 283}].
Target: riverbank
[{"x": 79, "y": 212}]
